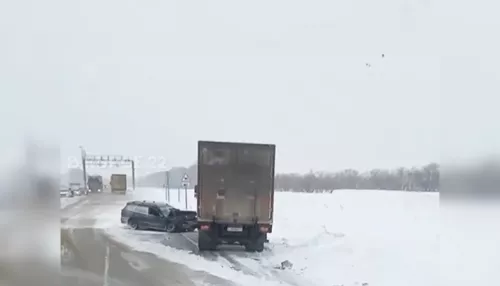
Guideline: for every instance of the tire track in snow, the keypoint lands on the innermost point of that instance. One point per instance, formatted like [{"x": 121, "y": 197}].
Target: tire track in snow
[
  {"x": 73, "y": 211},
  {"x": 70, "y": 205},
  {"x": 218, "y": 255},
  {"x": 260, "y": 268},
  {"x": 235, "y": 260},
  {"x": 236, "y": 265}
]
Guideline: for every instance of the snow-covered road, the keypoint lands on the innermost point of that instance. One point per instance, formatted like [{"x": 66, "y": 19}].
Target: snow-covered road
[
  {"x": 350, "y": 237},
  {"x": 69, "y": 201},
  {"x": 90, "y": 257}
]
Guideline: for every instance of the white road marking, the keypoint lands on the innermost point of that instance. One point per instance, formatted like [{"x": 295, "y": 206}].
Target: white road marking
[
  {"x": 134, "y": 261},
  {"x": 106, "y": 266},
  {"x": 190, "y": 240}
]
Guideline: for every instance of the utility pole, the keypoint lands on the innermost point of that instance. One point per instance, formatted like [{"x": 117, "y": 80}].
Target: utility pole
[
  {"x": 84, "y": 166},
  {"x": 133, "y": 174}
]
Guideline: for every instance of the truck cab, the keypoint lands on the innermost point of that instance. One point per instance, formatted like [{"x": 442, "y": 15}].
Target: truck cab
[{"x": 95, "y": 184}]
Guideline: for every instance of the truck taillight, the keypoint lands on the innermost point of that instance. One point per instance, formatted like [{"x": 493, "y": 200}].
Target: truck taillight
[
  {"x": 264, "y": 228},
  {"x": 204, "y": 227}
]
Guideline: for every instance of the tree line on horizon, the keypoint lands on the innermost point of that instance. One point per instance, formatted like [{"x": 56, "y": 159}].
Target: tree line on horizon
[{"x": 423, "y": 179}]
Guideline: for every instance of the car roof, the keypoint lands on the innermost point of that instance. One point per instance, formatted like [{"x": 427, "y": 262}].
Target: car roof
[{"x": 150, "y": 203}]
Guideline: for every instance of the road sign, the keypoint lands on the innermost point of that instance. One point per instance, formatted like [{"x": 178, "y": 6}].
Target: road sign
[
  {"x": 185, "y": 181},
  {"x": 185, "y": 184}
]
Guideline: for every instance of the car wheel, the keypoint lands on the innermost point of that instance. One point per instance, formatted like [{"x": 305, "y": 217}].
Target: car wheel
[
  {"x": 170, "y": 227},
  {"x": 134, "y": 224}
]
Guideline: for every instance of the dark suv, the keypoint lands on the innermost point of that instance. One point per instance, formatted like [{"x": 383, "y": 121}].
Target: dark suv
[{"x": 158, "y": 216}]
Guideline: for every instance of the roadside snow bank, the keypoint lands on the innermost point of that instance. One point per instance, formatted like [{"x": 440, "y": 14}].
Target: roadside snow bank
[{"x": 352, "y": 237}]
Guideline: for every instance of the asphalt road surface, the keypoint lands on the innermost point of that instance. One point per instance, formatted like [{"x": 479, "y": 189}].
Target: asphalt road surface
[{"x": 90, "y": 257}]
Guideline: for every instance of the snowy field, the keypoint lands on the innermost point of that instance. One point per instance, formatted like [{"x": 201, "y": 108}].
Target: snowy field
[{"x": 350, "y": 237}]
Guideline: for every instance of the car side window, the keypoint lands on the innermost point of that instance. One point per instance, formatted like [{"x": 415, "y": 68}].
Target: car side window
[
  {"x": 153, "y": 212},
  {"x": 130, "y": 208},
  {"x": 141, "y": 210}
]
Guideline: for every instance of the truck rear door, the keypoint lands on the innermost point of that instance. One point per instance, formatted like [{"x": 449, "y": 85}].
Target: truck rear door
[
  {"x": 254, "y": 175},
  {"x": 235, "y": 182},
  {"x": 122, "y": 182},
  {"x": 118, "y": 182}
]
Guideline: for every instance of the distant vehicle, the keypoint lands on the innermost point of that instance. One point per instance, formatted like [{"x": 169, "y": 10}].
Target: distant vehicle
[
  {"x": 118, "y": 183},
  {"x": 158, "y": 216},
  {"x": 77, "y": 189},
  {"x": 74, "y": 186},
  {"x": 65, "y": 192},
  {"x": 235, "y": 194},
  {"x": 95, "y": 184}
]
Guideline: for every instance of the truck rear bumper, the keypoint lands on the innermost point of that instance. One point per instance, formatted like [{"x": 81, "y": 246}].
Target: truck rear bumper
[{"x": 233, "y": 234}]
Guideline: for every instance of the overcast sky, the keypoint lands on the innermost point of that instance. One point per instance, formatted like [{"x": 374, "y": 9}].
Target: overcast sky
[{"x": 150, "y": 78}]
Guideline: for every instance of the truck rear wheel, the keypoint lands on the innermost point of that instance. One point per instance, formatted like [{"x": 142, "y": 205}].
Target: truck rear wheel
[
  {"x": 205, "y": 242},
  {"x": 257, "y": 244}
]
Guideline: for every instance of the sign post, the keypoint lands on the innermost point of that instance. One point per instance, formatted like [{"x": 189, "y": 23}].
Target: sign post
[
  {"x": 167, "y": 187},
  {"x": 185, "y": 184}
]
